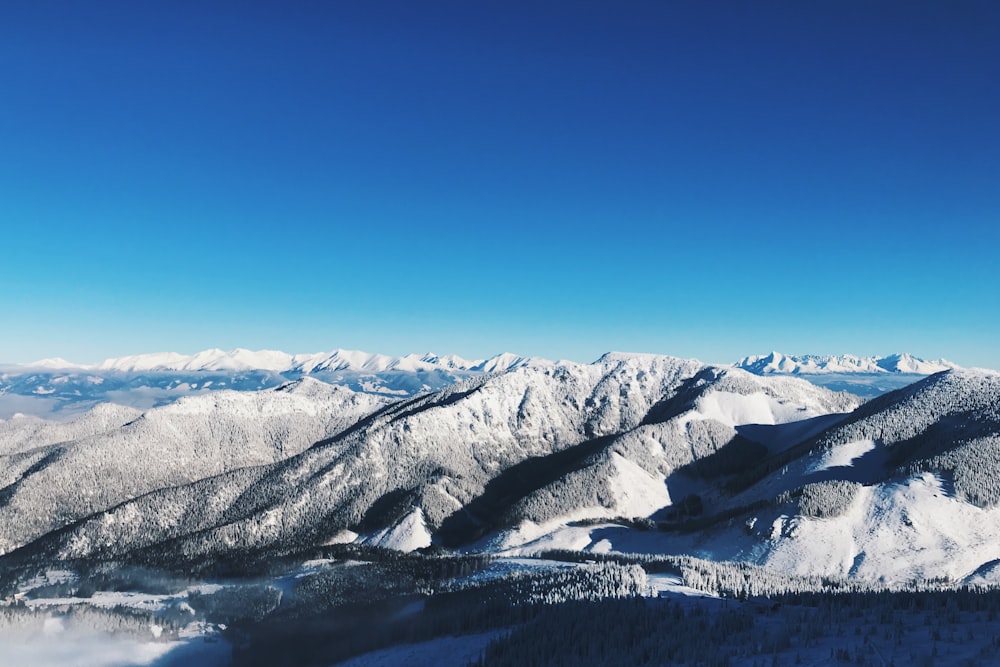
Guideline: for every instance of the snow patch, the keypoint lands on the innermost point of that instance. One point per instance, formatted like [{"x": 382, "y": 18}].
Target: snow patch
[
  {"x": 842, "y": 455},
  {"x": 636, "y": 492},
  {"x": 893, "y": 532},
  {"x": 734, "y": 409},
  {"x": 408, "y": 534},
  {"x": 344, "y": 536}
]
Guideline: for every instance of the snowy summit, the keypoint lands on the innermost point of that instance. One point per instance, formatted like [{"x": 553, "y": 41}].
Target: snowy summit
[
  {"x": 282, "y": 362},
  {"x": 778, "y": 363}
]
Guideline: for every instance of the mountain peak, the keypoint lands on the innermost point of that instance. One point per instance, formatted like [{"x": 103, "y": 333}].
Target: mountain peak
[
  {"x": 338, "y": 360},
  {"x": 901, "y": 362},
  {"x": 618, "y": 357}
]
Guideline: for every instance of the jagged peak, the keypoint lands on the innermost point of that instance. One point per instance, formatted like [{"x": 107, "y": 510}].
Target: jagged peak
[
  {"x": 640, "y": 357},
  {"x": 217, "y": 359},
  {"x": 903, "y": 362}
]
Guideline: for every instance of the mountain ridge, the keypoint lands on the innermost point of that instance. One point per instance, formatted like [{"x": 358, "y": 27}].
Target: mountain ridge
[
  {"x": 60, "y": 389},
  {"x": 436, "y": 453},
  {"x": 809, "y": 364},
  {"x": 215, "y": 359},
  {"x": 634, "y": 453},
  {"x": 57, "y": 388}
]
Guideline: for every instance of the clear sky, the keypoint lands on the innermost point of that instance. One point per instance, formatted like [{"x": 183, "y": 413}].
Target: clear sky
[{"x": 706, "y": 179}]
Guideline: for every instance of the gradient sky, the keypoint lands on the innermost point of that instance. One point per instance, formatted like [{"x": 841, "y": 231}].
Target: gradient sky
[{"x": 706, "y": 179}]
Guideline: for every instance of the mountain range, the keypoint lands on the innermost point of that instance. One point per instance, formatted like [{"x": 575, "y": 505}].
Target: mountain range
[
  {"x": 307, "y": 522},
  {"x": 56, "y": 388},
  {"x": 809, "y": 364},
  {"x": 62, "y": 389},
  {"x": 633, "y": 453},
  {"x": 241, "y": 359}
]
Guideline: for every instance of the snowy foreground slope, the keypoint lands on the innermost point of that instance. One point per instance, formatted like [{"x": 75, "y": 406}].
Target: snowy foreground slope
[{"x": 630, "y": 453}]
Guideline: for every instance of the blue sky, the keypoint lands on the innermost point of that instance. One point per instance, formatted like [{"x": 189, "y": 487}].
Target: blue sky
[{"x": 706, "y": 179}]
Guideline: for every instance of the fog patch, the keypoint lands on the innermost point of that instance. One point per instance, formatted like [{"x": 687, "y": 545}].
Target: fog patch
[{"x": 56, "y": 640}]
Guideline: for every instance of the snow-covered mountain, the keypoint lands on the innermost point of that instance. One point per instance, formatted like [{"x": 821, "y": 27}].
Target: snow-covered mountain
[
  {"x": 766, "y": 469},
  {"x": 57, "y": 388},
  {"x": 536, "y": 444},
  {"x": 902, "y": 489},
  {"x": 809, "y": 364},
  {"x": 281, "y": 362},
  {"x": 864, "y": 376},
  {"x": 52, "y": 473}
]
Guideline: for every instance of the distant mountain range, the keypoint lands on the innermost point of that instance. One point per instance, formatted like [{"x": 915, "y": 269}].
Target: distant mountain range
[
  {"x": 281, "y": 362},
  {"x": 354, "y": 360},
  {"x": 61, "y": 388},
  {"x": 865, "y": 376},
  {"x": 809, "y": 364}
]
